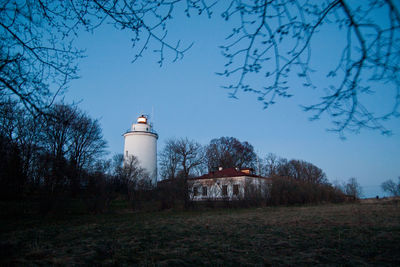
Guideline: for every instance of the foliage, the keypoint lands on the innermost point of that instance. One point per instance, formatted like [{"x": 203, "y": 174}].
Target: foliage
[
  {"x": 391, "y": 187},
  {"x": 173, "y": 193},
  {"x": 53, "y": 156},
  {"x": 180, "y": 159},
  {"x": 12, "y": 179},
  {"x": 58, "y": 158},
  {"x": 229, "y": 152},
  {"x": 130, "y": 179},
  {"x": 351, "y": 188},
  {"x": 303, "y": 171},
  {"x": 273, "y": 166},
  {"x": 129, "y": 173},
  {"x": 289, "y": 191}
]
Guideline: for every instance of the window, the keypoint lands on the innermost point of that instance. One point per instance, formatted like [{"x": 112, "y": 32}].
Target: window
[
  {"x": 126, "y": 153},
  {"x": 195, "y": 191},
  {"x": 235, "y": 189},
  {"x": 224, "y": 190},
  {"x": 204, "y": 190}
]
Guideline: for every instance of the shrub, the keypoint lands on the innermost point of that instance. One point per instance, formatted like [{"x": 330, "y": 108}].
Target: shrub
[{"x": 288, "y": 191}]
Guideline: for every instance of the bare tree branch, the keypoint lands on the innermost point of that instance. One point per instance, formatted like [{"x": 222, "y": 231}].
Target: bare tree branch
[{"x": 274, "y": 38}]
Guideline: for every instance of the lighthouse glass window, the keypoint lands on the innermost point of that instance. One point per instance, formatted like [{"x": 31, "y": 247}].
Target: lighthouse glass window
[{"x": 142, "y": 120}]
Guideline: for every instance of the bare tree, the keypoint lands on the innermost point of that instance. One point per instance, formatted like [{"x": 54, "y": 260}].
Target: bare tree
[
  {"x": 353, "y": 188},
  {"x": 130, "y": 172},
  {"x": 85, "y": 147},
  {"x": 37, "y": 53},
  {"x": 86, "y": 142},
  {"x": 29, "y": 136},
  {"x": 272, "y": 165},
  {"x": 71, "y": 136},
  {"x": 58, "y": 129},
  {"x": 169, "y": 160},
  {"x": 180, "y": 157},
  {"x": 302, "y": 171},
  {"x": 391, "y": 187},
  {"x": 130, "y": 179},
  {"x": 12, "y": 179},
  {"x": 187, "y": 156},
  {"x": 23, "y": 133},
  {"x": 274, "y": 39},
  {"x": 229, "y": 152}
]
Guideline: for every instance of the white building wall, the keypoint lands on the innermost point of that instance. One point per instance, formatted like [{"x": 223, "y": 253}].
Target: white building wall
[{"x": 214, "y": 187}]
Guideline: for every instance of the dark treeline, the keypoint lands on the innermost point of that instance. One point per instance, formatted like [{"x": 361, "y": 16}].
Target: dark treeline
[
  {"x": 51, "y": 155},
  {"x": 291, "y": 181},
  {"x": 57, "y": 157},
  {"x": 54, "y": 161}
]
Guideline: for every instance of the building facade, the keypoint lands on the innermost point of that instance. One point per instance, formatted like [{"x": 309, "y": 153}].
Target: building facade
[{"x": 227, "y": 184}]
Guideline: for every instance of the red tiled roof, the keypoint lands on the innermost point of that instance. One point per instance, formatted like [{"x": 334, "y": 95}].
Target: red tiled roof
[{"x": 229, "y": 172}]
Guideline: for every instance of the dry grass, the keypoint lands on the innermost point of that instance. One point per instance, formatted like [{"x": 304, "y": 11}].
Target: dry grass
[{"x": 350, "y": 234}]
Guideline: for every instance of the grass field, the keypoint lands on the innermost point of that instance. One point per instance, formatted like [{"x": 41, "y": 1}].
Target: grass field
[{"x": 348, "y": 234}]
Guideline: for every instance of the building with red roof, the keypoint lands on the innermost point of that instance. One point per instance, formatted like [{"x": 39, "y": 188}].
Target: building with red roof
[{"x": 226, "y": 184}]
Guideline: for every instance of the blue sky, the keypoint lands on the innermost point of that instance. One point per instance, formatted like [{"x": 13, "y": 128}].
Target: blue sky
[{"x": 188, "y": 101}]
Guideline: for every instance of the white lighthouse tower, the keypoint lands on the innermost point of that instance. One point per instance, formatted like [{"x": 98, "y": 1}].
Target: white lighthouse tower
[{"x": 141, "y": 142}]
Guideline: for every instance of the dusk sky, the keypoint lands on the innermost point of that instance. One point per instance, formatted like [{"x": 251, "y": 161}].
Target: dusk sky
[{"x": 188, "y": 101}]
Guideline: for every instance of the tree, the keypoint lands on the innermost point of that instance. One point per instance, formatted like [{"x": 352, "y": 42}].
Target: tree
[
  {"x": 130, "y": 179},
  {"x": 272, "y": 39},
  {"x": 129, "y": 176},
  {"x": 23, "y": 133},
  {"x": 71, "y": 137},
  {"x": 297, "y": 169},
  {"x": 229, "y": 152},
  {"x": 180, "y": 158},
  {"x": 12, "y": 179},
  {"x": 29, "y": 136},
  {"x": 169, "y": 160},
  {"x": 86, "y": 142},
  {"x": 9, "y": 114},
  {"x": 191, "y": 155},
  {"x": 58, "y": 129},
  {"x": 274, "y": 165},
  {"x": 38, "y": 57},
  {"x": 391, "y": 187},
  {"x": 353, "y": 188},
  {"x": 54, "y": 151}
]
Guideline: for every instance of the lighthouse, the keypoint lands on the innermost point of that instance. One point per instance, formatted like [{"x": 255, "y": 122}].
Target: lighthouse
[{"x": 141, "y": 142}]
